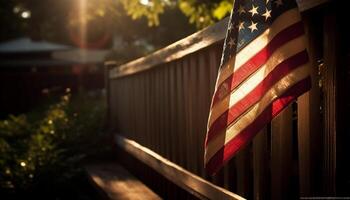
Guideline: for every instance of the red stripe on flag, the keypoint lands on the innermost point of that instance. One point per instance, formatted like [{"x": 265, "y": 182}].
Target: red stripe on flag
[
  {"x": 256, "y": 94},
  {"x": 227, "y": 151},
  {"x": 259, "y": 59}
]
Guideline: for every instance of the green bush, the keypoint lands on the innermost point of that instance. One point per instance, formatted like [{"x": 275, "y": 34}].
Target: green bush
[{"x": 40, "y": 151}]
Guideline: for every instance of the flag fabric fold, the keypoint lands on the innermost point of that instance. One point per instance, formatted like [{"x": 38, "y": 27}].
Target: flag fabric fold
[{"x": 264, "y": 67}]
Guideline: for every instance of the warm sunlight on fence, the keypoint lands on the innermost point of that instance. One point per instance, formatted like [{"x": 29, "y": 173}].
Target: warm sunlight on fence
[{"x": 162, "y": 102}]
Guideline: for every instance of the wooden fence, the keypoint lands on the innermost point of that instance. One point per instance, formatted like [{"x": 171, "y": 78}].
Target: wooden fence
[{"x": 162, "y": 101}]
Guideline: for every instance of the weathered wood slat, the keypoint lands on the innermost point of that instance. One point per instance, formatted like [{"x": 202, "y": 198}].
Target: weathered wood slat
[
  {"x": 243, "y": 171},
  {"x": 117, "y": 183},
  {"x": 183, "y": 178},
  {"x": 159, "y": 107},
  {"x": 309, "y": 122},
  {"x": 173, "y": 120},
  {"x": 147, "y": 101},
  {"x": 214, "y": 59},
  {"x": 195, "y": 62},
  {"x": 180, "y": 114},
  {"x": 166, "y": 111},
  {"x": 202, "y": 104},
  {"x": 152, "y": 110},
  {"x": 187, "y": 114},
  {"x": 261, "y": 165},
  {"x": 281, "y": 155},
  {"x": 330, "y": 101}
]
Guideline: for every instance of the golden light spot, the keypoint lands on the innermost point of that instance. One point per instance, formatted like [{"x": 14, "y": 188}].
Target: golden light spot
[
  {"x": 66, "y": 98},
  {"x": 23, "y": 164},
  {"x": 144, "y": 2},
  {"x": 26, "y": 14}
]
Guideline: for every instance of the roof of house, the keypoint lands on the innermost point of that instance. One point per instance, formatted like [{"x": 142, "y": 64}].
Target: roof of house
[
  {"x": 24, "y": 45},
  {"x": 57, "y": 54}
]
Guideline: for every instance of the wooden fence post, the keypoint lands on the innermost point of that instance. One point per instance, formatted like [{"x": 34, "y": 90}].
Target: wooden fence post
[
  {"x": 281, "y": 154},
  {"x": 330, "y": 100},
  {"x": 260, "y": 165}
]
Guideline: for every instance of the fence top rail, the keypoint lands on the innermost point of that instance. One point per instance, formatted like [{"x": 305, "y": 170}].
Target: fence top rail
[
  {"x": 179, "y": 49},
  {"x": 188, "y": 45},
  {"x": 173, "y": 172}
]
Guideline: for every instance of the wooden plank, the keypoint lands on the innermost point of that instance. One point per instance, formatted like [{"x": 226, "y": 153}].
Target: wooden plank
[
  {"x": 194, "y": 117},
  {"x": 126, "y": 113},
  {"x": 304, "y": 143},
  {"x": 139, "y": 113},
  {"x": 232, "y": 175},
  {"x": 243, "y": 172},
  {"x": 117, "y": 183},
  {"x": 160, "y": 121},
  {"x": 261, "y": 165},
  {"x": 281, "y": 154},
  {"x": 202, "y": 106},
  {"x": 108, "y": 97},
  {"x": 187, "y": 138},
  {"x": 180, "y": 114},
  {"x": 162, "y": 134},
  {"x": 144, "y": 107},
  {"x": 112, "y": 108},
  {"x": 331, "y": 98},
  {"x": 309, "y": 121},
  {"x": 226, "y": 181},
  {"x": 148, "y": 101},
  {"x": 132, "y": 122},
  {"x": 166, "y": 111},
  {"x": 126, "y": 94},
  {"x": 117, "y": 104},
  {"x": 214, "y": 60},
  {"x": 173, "y": 120},
  {"x": 157, "y": 101},
  {"x": 178, "y": 175},
  {"x": 152, "y": 110},
  {"x": 122, "y": 106}
]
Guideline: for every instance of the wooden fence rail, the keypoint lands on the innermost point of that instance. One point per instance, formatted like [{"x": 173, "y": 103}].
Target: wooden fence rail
[{"x": 162, "y": 102}]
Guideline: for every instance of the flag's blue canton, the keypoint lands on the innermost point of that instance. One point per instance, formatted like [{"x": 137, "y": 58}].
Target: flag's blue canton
[{"x": 250, "y": 18}]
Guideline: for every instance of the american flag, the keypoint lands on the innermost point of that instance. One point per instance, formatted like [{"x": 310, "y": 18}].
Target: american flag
[{"x": 264, "y": 67}]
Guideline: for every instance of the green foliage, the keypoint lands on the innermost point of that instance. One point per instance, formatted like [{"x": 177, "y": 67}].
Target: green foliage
[
  {"x": 55, "y": 20},
  {"x": 222, "y": 10},
  {"x": 41, "y": 152},
  {"x": 204, "y": 13},
  {"x": 151, "y": 11},
  {"x": 198, "y": 14}
]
